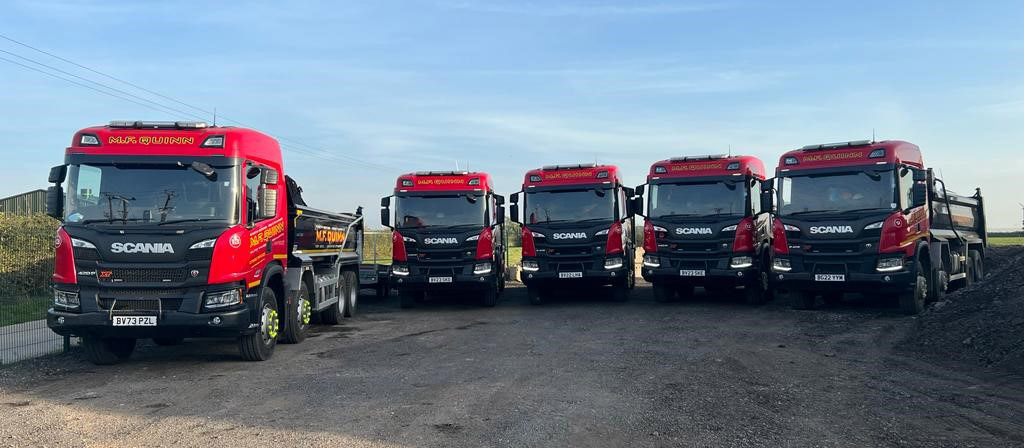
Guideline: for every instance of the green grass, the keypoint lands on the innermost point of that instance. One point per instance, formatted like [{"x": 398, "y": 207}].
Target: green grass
[
  {"x": 1006, "y": 240},
  {"x": 15, "y": 311},
  {"x": 515, "y": 255}
]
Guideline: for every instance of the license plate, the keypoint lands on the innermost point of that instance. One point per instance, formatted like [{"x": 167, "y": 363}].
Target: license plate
[
  {"x": 440, "y": 280},
  {"x": 570, "y": 275},
  {"x": 134, "y": 321},
  {"x": 692, "y": 272},
  {"x": 829, "y": 277}
]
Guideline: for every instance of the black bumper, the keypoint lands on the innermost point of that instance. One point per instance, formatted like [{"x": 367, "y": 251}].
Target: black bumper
[
  {"x": 169, "y": 324},
  {"x": 680, "y": 269},
  {"x": 559, "y": 272},
  {"x": 420, "y": 282},
  {"x": 859, "y": 274}
]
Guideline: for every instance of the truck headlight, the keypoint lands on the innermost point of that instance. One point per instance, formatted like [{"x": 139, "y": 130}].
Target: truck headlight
[
  {"x": 613, "y": 263},
  {"x": 204, "y": 244},
  {"x": 400, "y": 270},
  {"x": 652, "y": 261},
  {"x": 222, "y": 299},
  {"x": 781, "y": 265},
  {"x": 741, "y": 262},
  {"x": 889, "y": 264},
  {"x": 66, "y": 299},
  {"x": 482, "y": 268},
  {"x": 75, "y": 242},
  {"x": 530, "y": 266}
]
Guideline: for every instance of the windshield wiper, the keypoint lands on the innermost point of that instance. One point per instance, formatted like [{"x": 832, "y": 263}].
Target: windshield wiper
[
  {"x": 177, "y": 221},
  {"x": 807, "y": 212},
  {"x": 95, "y": 220},
  {"x": 676, "y": 215},
  {"x": 867, "y": 209}
]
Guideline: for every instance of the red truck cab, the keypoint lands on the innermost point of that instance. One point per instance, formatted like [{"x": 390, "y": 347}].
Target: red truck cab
[
  {"x": 705, "y": 227},
  {"x": 173, "y": 230},
  {"x": 866, "y": 216},
  {"x": 448, "y": 234},
  {"x": 577, "y": 229}
]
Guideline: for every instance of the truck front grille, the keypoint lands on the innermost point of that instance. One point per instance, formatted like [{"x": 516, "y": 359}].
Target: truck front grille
[
  {"x": 154, "y": 305},
  {"x": 141, "y": 275}
]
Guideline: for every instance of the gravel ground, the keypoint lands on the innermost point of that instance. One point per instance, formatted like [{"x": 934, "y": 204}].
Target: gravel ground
[{"x": 579, "y": 372}]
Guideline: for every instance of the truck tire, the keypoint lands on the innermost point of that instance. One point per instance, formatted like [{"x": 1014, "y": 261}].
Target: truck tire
[
  {"x": 912, "y": 302},
  {"x": 334, "y": 313},
  {"x": 383, "y": 291},
  {"x": 168, "y": 342},
  {"x": 300, "y": 317},
  {"x": 978, "y": 263},
  {"x": 352, "y": 298},
  {"x": 663, "y": 293},
  {"x": 107, "y": 351},
  {"x": 536, "y": 295},
  {"x": 408, "y": 299},
  {"x": 490, "y": 296},
  {"x": 259, "y": 345}
]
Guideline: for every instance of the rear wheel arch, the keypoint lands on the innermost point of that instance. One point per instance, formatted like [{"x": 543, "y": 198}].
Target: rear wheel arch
[{"x": 273, "y": 278}]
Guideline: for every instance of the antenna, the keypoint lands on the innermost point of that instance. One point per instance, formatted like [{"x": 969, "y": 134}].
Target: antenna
[
  {"x": 873, "y": 135},
  {"x": 730, "y": 150},
  {"x": 214, "y": 117},
  {"x": 457, "y": 165}
]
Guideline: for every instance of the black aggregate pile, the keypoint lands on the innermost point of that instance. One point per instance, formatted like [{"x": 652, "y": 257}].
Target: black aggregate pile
[{"x": 982, "y": 324}]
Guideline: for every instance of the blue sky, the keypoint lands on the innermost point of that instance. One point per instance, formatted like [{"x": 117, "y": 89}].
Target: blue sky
[{"x": 505, "y": 86}]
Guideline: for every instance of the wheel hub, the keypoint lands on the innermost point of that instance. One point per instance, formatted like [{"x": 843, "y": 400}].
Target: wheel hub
[
  {"x": 269, "y": 324},
  {"x": 305, "y": 311}
]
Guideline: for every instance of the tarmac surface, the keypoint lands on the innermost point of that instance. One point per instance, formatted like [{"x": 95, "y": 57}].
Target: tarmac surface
[{"x": 582, "y": 371}]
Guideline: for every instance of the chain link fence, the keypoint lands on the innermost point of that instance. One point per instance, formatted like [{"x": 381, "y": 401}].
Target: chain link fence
[{"x": 26, "y": 266}]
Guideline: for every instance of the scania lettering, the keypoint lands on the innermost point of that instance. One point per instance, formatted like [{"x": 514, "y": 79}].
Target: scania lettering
[
  {"x": 868, "y": 217},
  {"x": 177, "y": 229},
  {"x": 705, "y": 227},
  {"x": 448, "y": 235},
  {"x": 577, "y": 229}
]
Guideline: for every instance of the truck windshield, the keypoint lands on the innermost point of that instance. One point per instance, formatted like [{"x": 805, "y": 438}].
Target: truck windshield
[
  {"x": 444, "y": 210},
  {"x": 697, "y": 199},
  {"x": 837, "y": 192},
  {"x": 150, "y": 194},
  {"x": 569, "y": 205}
]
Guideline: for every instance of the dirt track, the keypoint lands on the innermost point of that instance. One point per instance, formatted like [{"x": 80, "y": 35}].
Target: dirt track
[{"x": 574, "y": 373}]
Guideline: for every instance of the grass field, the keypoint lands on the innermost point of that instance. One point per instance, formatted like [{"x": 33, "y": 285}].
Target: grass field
[
  {"x": 27, "y": 310},
  {"x": 1006, "y": 240}
]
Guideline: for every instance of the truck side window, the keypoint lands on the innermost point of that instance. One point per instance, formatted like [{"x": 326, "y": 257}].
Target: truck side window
[
  {"x": 252, "y": 188},
  {"x": 906, "y": 184}
]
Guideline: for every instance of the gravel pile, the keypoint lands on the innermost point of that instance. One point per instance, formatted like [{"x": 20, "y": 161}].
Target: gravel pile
[{"x": 982, "y": 324}]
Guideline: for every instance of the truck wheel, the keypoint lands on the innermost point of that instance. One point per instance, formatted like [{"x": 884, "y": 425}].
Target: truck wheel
[
  {"x": 801, "y": 300},
  {"x": 334, "y": 313},
  {"x": 913, "y": 301},
  {"x": 300, "y": 318},
  {"x": 978, "y": 263},
  {"x": 408, "y": 299},
  {"x": 352, "y": 286},
  {"x": 167, "y": 342},
  {"x": 490, "y": 296},
  {"x": 107, "y": 351},
  {"x": 259, "y": 346},
  {"x": 663, "y": 293},
  {"x": 969, "y": 270},
  {"x": 536, "y": 295}
]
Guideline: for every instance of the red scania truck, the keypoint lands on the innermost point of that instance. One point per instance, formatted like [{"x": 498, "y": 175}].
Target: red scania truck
[
  {"x": 177, "y": 229},
  {"x": 448, "y": 234},
  {"x": 577, "y": 229},
  {"x": 865, "y": 216},
  {"x": 705, "y": 227}
]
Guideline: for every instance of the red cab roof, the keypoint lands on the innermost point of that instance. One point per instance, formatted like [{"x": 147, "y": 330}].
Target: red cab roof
[
  {"x": 710, "y": 165},
  {"x": 853, "y": 153},
  {"x": 134, "y": 138},
  {"x": 444, "y": 181},
  {"x": 579, "y": 174}
]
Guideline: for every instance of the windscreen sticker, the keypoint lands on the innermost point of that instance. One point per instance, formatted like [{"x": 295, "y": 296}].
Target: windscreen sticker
[
  {"x": 834, "y": 156},
  {"x": 441, "y": 181},
  {"x": 696, "y": 167},
  {"x": 568, "y": 175},
  {"x": 149, "y": 140}
]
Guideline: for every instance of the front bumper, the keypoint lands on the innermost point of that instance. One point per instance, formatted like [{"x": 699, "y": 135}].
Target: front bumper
[
  {"x": 422, "y": 279},
  {"x": 858, "y": 271},
  {"x": 561, "y": 272},
  {"x": 169, "y": 324},
  {"x": 683, "y": 270}
]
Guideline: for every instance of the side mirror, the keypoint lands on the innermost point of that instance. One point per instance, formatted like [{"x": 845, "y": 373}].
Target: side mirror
[
  {"x": 767, "y": 196},
  {"x": 385, "y": 211},
  {"x": 920, "y": 194},
  {"x": 499, "y": 199},
  {"x": 639, "y": 190},
  {"x": 920, "y": 175},
  {"x": 58, "y": 174},
  {"x": 514, "y": 211},
  {"x": 268, "y": 203},
  {"x": 501, "y": 214},
  {"x": 636, "y": 206},
  {"x": 514, "y": 198},
  {"x": 55, "y": 201}
]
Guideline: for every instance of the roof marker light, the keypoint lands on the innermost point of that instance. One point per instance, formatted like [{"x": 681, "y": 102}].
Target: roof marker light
[
  {"x": 406, "y": 182},
  {"x": 790, "y": 160},
  {"x": 660, "y": 170},
  {"x": 474, "y": 181},
  {"x": 213, "y": 141},
  {"x": 534, "y": 178},
  {"x": 602, "y": 174},
  {"x": 88, "y": 140},
  {"x": 877, "y": 154},
  {"x": 733, "y": 166}
]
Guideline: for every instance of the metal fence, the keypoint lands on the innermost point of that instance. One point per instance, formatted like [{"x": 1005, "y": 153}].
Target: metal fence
[{"x": 26, "y": 264}]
